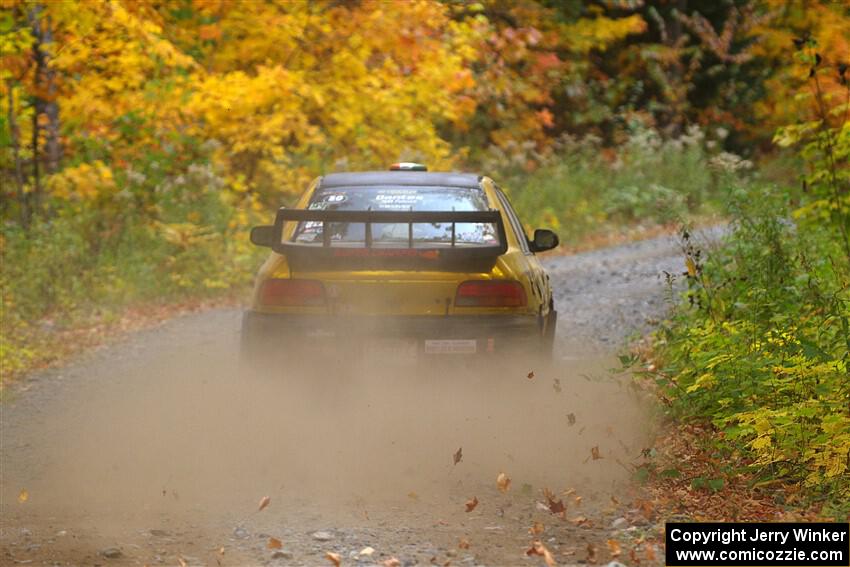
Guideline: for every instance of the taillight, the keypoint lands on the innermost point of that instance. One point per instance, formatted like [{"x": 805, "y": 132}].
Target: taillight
[
  {"x": 290, "y": 293},
  {"x": 490, "y": 293}
]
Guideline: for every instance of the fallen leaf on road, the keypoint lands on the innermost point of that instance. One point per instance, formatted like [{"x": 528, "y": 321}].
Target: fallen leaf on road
[
  {"x": 503, "y": 481},
  {"x": 264, "y": 501},
  {"x": 633, "y": 556},
  {"x": 614, "y": 548},
  {"x": 471, "y": 504},
  {"x": 579, "y": 520},
  {"x": 391, "y": 562},
  {"x": 463, "y": 543},
  {"x": 182, "y": 562},
  {"x": 367, "y": 551},
  {"x": 536, "y": 528},
  {"x": 531, "y": 375},
  {"x": 650, "y": 553},
  {"x": 23, "y": 495},
  {"x": 557, "y": 507},
  {"x": 333, "y": 558},
  {"x": 594, "y": 453},
  {"x": 413, "y": 496},
  {"x": 647, "y": 509},
  {"x": 537, "y": 548},
  {"x": 577, "y": 500},
  {"x": 591, "y": 553},
  {"x": 568, "y": 492},
  {"x": 274, "y": 543},
  {"x": 457, "y": 457},
  {"x": 221, "y": 550},
  {"x": 571, "y": 418}
]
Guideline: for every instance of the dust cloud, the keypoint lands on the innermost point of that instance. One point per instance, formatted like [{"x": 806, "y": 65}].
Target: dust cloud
[{"x": 195, "y": 434}]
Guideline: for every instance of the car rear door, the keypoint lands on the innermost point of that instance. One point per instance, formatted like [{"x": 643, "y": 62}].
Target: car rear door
[{"x": 532, "y": 267}]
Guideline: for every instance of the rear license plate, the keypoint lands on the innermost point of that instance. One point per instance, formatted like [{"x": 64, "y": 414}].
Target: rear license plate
[
  {"x": 451, "y": 346},
  {"x": 392, "y": 350}
]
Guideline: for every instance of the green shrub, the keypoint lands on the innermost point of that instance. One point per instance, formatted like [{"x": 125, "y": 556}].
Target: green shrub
[{"x": 761, "y": 346}]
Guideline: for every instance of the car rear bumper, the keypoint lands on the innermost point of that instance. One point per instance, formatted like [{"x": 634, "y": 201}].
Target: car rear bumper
[{"x": 451, "y": 334}]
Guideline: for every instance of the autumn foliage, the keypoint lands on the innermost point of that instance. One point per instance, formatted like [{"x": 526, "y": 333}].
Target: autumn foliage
[{"x": 140, "y": 139}]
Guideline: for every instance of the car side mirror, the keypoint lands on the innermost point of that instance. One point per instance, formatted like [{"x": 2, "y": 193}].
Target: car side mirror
[
  {"x": 263, "y": 235},
  {"x": 544, "y": 240}
]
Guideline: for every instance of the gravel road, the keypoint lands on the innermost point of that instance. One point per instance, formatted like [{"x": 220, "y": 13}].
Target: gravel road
[{"x": 157, "y": 450}]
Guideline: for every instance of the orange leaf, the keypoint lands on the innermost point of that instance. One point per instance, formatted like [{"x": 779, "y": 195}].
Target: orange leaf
[
  {"x": 536, "y": 528},
  {"x": 594, "y": 452},
  {"x": 650, "y": 553},
  {"x": 537, "y": 548},
  {"x": 463, "y": 543},
  {"x": 471, "y": 504},
  {"x": 391, "y": 562},
  {"x": 591, "y": 553},
  {"x": 264, "y": 501},
  {"x": 503, "y": 481},
  {"x": 333, "y": 558},
  {"x": 274, "y": 543},
  {"x": 23, "y": 495},
  {"x": 614, "y": 548}
]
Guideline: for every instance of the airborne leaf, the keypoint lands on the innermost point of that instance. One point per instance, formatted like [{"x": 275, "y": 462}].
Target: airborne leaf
[
  {"x": 458, "y": 456},
  {"x": 503, "y": 481},
  {"x": 264, "y": 501}
]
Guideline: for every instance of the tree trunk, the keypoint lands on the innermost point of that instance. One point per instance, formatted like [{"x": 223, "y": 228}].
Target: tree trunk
[
  {"x": 53, "y": 145},
  {"x": 44, "y": 103},
  {"x": 15, "y": 135}
]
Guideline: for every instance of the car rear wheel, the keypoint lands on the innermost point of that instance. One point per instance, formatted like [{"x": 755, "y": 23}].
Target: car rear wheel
[{"x": 548, "y": 346}]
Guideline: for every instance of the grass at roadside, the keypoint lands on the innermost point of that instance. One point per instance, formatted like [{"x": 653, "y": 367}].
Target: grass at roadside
[{"x": 590, "y": 193}]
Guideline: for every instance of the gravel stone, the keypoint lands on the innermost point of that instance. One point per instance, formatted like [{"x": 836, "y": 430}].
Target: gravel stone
[
  {"x": 323, "y": 536},
  {"x": 111, "y": 552},
  {"x": 619, "y": 523}
]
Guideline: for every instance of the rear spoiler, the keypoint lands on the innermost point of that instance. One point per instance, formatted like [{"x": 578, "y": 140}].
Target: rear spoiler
[{"x": 272, "y": 236}]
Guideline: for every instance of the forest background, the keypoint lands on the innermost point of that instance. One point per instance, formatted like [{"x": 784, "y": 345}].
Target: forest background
[{"x": 141, "y": 139}]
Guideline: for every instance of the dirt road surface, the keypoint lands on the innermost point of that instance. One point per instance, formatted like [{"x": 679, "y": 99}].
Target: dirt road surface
[{"x": 158, "y": 450}]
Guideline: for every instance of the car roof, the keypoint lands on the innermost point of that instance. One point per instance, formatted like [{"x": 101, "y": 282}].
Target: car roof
[{"x": 396, "y": 178}]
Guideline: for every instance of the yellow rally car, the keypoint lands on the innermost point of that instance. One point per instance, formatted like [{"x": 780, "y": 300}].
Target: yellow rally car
[{"x": 417, "y": 262}]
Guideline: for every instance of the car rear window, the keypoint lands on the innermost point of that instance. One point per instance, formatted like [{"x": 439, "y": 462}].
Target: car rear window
[{"x": 399, "y": 198}]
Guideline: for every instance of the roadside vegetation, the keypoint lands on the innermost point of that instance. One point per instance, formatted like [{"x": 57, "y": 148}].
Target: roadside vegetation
[
  {"x": 760, "y": 349},
  {"x": 140, "y": 141}
]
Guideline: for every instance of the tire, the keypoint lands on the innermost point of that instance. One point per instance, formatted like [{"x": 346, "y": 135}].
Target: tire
[{"x": 548, "y": 346}]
